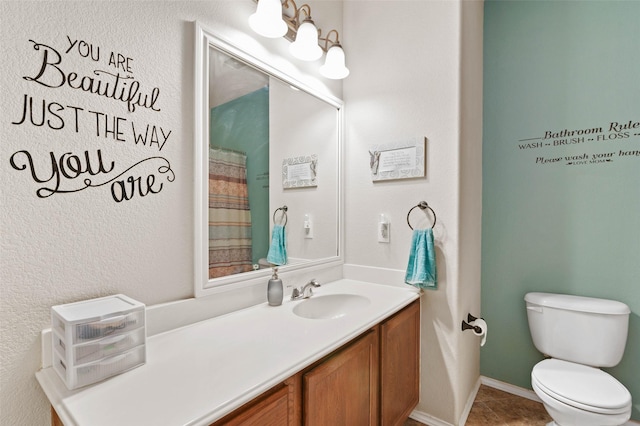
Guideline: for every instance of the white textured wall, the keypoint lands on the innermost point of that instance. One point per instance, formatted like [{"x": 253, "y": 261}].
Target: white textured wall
[
  {"x": 405, "y": 82},
  {"x": 73, "y": 246},
  {"x": 404, "y": 58},
  {"x": 470, "y": 185}
]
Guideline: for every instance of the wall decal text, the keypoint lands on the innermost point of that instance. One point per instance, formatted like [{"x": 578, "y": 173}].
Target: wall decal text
[
  {"x": 69, "y": 172},
  {"x": 597, "y": 144}
]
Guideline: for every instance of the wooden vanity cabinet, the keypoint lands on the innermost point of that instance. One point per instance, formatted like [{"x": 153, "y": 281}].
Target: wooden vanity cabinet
[
  {"x": 372, "y": 381},
  {"x": 343, "y": 389},
  {"x": 400, "y": 365},
  {"x": 55, "y": 420},
  {"x": 279, "y": 406}
]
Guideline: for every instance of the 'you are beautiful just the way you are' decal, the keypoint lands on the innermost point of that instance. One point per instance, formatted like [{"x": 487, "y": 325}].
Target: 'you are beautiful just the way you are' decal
[{"x": 69, "y": 172}]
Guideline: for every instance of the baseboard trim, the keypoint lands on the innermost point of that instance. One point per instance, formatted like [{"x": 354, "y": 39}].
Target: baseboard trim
[
  {"x": 427, "y": 419},
  {"x": 434, "y": 421},
  {"x": 472, "y": 397},
  {"x": 509, "y": 388}
]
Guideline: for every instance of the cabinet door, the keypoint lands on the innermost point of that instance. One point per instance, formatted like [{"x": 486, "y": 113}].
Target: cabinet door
[
  {"x": 343, "y": 390},
  {"x": 278, "y": 407},
  {"x": 400, "y": 365},
  {"x": 55, "y": 420}
]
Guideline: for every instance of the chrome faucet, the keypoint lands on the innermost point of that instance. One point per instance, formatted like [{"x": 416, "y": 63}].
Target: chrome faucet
[{"x": 306, "y": 291}]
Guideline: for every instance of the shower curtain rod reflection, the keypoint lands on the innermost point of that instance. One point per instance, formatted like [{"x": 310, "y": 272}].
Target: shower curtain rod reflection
[{"x": 220, "y": 148}]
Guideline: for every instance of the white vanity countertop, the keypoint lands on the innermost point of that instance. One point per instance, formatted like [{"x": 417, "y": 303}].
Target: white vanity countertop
[{"x": 196, "y": 374}]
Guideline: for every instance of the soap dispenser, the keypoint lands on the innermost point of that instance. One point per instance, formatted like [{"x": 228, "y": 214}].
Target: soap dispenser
[{"x": 274, "y": 289}]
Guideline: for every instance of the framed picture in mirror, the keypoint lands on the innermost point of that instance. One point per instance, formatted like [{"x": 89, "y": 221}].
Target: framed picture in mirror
[{"x": 300, "y": 172}]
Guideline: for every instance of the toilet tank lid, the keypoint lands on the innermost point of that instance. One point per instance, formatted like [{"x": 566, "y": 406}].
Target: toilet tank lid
[{"x": 578, "y": 303}]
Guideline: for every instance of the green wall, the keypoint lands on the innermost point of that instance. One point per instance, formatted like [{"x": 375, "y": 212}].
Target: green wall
[
  {"x": 561, "y": 170},
  {"x": 243, "y": 125}
]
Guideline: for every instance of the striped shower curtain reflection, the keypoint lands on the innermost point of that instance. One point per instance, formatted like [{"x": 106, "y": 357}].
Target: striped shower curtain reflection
[{"x": 229, "y": 214}]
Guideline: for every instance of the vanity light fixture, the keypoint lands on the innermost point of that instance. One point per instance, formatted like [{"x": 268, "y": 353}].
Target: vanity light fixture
[
  {"x": 308, "y": 45},
  {"x": 267, "y": 21},
  {"x": 334, "y": 66}
]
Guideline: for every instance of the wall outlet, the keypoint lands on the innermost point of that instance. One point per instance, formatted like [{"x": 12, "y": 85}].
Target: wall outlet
[
  {"x": 308, "y": 226},
  {"x": 384, "y": 230}
]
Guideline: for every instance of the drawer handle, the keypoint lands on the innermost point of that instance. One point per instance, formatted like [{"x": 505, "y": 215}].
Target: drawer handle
[
  {"x": 113, "y": 340},
  {"x": 113, "y": 359},
  {"x": 112, "y": 319},
  {"x": 103, "y": 327}
]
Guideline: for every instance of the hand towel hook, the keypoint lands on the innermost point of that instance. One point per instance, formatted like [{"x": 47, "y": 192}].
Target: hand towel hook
[
  {"x": 423, "y": 206},
  {"x": 284, "y": 214}
]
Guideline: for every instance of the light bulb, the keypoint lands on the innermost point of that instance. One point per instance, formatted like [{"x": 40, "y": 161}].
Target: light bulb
[
  {"x": 267, "y": 21},
  {"x": 305, "y": 47},
  {"x": 334, "y": 65}
]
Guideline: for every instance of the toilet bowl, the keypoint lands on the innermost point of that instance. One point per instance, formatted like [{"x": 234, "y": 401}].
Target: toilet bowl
[
  {"x": 579, "y": 335},
  {"x": 575, "y": 394}
]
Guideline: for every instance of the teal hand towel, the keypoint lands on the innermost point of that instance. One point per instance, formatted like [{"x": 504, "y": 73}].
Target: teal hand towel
[
  {"x": 277, "y": 254},
  {"x": 421, "y": 270}
]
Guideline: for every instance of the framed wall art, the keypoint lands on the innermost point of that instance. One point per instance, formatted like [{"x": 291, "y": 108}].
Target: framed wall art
[
  {"x": 399, "y": 160},
  {"x": 300, "y": 172}
]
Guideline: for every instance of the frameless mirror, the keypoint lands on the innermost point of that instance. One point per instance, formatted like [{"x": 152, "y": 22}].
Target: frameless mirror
[{"x": 267, "y": 154}]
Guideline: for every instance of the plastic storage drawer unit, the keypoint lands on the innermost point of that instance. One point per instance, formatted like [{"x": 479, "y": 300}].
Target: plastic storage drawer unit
[{"x": 96, "y": 339}]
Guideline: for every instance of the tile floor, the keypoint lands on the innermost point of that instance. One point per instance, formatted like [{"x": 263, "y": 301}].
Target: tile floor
[{"x": 493, "y": 407}]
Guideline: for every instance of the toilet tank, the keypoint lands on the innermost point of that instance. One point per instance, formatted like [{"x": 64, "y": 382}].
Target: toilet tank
[{"x": 579, "y": 329}]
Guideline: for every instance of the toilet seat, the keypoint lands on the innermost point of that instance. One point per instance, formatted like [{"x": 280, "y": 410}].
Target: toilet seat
[{"x": 582, "y": 387}]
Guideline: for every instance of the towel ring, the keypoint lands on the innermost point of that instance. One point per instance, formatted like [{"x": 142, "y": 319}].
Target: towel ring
[
  {"x": 284, "y": 214},
  {"x": 423, "y": 205}
]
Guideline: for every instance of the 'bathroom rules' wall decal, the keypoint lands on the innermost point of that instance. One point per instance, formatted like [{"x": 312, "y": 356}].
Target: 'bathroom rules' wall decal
[
  {"x": 598, "y": 144},
  {"x": 81, "y": 69}
]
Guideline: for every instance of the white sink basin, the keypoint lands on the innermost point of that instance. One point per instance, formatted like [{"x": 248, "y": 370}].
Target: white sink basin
[{"x": 330, "y": 306}]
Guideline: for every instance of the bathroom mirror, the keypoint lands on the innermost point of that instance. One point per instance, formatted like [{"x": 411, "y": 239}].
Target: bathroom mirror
[{"x": 263, "y": 140}]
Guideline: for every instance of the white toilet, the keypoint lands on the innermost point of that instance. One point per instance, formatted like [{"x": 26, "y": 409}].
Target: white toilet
[{"x": 579, "y": 334}]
